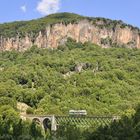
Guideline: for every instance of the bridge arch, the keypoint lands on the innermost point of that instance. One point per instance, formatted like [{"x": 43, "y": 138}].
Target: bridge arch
[
  {"x": 36, "y": 120},
  {"x": 47, "y": 123}
]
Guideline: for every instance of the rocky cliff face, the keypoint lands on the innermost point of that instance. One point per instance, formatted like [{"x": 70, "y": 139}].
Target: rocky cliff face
[{"x": 82, "y": 31}]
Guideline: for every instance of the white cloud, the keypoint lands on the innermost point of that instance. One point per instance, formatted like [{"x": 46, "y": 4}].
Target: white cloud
[
  {"x": 23, "y": 8},
  {"x": 46, "y": 7}
]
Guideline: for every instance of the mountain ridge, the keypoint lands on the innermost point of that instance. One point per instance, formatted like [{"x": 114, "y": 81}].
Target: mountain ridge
[{"x": 54, "y": 30}]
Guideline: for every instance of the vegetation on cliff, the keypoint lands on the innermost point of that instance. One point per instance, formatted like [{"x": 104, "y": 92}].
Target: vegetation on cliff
[{"x": 33, "y": 27}]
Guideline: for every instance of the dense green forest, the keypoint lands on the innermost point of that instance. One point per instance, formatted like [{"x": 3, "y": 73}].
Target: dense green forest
[
  {"x": 49, "y": 82},
  {"x": 74, "y": 76},
  {"x": 12, "y": 128}
]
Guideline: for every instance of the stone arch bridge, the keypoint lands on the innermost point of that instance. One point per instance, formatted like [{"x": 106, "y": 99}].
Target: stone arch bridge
[{"x": 52, "y": 122}]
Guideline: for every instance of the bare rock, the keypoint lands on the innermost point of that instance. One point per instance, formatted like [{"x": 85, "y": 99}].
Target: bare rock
[{"x": 83, "y": 31}]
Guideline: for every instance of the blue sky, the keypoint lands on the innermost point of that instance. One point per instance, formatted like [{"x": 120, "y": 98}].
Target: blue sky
[{"x": 126, "y": 10}]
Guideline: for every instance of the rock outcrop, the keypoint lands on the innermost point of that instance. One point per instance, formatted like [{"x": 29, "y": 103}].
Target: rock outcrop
[{"x": 83, "y": 31}]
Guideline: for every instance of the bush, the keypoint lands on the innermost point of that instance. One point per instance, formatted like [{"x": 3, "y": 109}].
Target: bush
[{"x": 30, "y": 110}]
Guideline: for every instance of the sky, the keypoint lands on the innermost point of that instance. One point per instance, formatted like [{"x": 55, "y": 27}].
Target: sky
[{"x": 125, "y": 10}]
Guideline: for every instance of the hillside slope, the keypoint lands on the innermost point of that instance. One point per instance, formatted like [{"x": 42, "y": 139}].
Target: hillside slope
[
  {"x": 75, "y": 76},
  {"x": 54, "y": 30}
]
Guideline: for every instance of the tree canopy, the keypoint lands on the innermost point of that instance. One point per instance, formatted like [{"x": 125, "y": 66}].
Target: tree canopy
[{"x": 74, "y": 76}]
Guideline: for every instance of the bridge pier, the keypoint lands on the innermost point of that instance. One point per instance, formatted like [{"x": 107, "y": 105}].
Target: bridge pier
[
  {"x": 54, "y": 124},
  {"x": 47, "y": 122}
]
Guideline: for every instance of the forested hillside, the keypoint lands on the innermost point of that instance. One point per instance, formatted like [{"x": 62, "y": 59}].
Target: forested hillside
[{"x": 75, "y": 76}]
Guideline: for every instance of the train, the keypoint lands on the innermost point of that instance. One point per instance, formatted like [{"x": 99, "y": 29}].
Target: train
[{"x": 77, "y": 112}]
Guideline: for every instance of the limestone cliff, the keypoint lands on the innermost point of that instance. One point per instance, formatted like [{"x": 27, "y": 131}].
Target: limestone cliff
[{"x": 82, "y": 31}]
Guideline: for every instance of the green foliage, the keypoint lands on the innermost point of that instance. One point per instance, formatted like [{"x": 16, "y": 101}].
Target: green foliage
[
  {"x": 68, "y": 132},
  {"x": 30, "y": 110},
  {"x": 128, "y": 128},
  {"x": 33, "y": 27},
  {"x": 47, "y": 80},
  {"x": 106, "y": 41},
  {"x": 7, "y": 101},
  {"x": 13, "y": 128}
]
